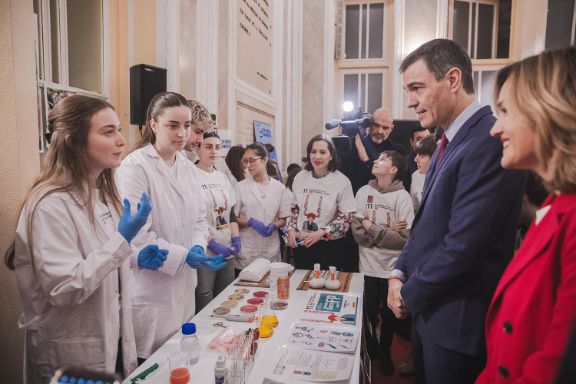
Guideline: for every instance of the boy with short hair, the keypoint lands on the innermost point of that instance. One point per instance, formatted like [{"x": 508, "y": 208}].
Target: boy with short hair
[
  {"x": 381, "y": 227},
  {"x": 424, "y": 150}
]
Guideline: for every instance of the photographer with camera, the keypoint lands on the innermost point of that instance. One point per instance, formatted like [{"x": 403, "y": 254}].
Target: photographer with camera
[{"x": 367, "y": 149}]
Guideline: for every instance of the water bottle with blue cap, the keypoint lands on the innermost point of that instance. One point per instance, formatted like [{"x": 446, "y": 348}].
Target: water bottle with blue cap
[{"x": 189, "y": 343}]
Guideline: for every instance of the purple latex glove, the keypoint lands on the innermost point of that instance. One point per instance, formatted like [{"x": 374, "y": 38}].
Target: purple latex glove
[
  {"x": 216, "y": 247},
  {"x": 236, "y": 245},
  {"x": 258, "y": 226},
  {"x": 270, "y": 229}
]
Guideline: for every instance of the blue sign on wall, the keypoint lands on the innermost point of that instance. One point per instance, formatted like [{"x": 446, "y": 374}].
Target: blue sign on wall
[{"x": 263, "y": 134}]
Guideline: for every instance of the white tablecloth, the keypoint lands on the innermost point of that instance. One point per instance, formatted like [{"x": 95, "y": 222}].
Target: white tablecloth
[{"x": 268, "y": 350}]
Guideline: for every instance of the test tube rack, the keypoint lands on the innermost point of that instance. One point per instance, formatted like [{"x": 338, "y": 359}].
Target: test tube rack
[{"x": 240, "y": 359}]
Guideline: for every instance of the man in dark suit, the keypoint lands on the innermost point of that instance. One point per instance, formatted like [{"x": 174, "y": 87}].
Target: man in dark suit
[{"x": 463, "y": 235}]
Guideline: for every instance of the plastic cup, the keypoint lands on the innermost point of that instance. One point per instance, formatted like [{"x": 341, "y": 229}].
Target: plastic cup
[
  {"x": 178, "y": 360},
  {"x": 179, "y": 375}
]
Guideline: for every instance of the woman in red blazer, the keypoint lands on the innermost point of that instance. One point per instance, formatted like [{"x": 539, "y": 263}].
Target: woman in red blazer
[{"x": 534, "y": 306}]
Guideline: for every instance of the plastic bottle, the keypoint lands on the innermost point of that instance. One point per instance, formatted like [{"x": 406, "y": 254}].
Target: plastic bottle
[
  {"x": 332, "y": 283},
  {"x": 275, "y": 270},
  {"x": 189, "y": 343},
  {"x": 316, "y": 282},
  {"x": 283, "y": 286},
  {"x": 220, "y": 370}
]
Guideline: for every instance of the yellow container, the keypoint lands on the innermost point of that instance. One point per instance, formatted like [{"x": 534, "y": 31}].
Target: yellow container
[
  {"x": 265, "y": 330},
  {"x": 271, "y": 320}
]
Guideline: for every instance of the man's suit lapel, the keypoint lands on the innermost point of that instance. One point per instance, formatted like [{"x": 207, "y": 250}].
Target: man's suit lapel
[{"x": 434, "y": 170}]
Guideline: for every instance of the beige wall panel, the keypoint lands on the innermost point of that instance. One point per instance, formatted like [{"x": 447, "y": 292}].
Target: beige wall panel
[
  {"x": 254, "y": 38},
  {"x": 19, "y": 161},
  {"x": 188, "y": 36},
  {"x": 313, "y": 67},
  {"x": 137, "y": 28},
  {"x": 144, "y": 32},
  {"x": 119, "y": 65},
  {"x": 223, "y": 119}
]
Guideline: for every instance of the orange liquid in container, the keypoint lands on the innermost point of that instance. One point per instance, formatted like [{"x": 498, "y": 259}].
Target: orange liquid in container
[{"x": 272, "y": 320}]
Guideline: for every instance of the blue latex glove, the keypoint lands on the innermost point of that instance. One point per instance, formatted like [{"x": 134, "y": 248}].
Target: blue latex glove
[
  {"x": 236, "y": 246},
  {"x": 258, "y": 226},
  {"x": 130, "y": 225},
  {"x": 270, "y": 229},
  {"x": 197, "y": 258},
  {"x": 151, "y": 257},
  {"x": 220, "y": 248}
]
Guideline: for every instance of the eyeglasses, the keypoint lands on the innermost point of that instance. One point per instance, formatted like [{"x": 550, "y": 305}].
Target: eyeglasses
[{"x": 251, "y": 160}]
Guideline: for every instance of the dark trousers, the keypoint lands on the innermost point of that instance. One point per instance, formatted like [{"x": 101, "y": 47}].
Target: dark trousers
[
  {"x": 341, "y": 253},
  {"x": 375, "y": 299},
  {"x": 119, "y": 359},
  {"x": 437, "y": 365}
]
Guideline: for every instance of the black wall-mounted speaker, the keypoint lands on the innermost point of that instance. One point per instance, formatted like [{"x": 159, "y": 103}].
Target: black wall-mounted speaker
[{"x": 145, "y": 82}]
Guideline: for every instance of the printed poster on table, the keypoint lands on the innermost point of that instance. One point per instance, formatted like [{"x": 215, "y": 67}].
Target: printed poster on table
[
  {"x": 301, "y": 364},
  {"x": 323, "y": 338},
  {"x": 331, "y": 308}
]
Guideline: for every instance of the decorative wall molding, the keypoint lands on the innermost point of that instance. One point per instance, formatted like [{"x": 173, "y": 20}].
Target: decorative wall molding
[
  {"x": 168, "y": 41},
  {"x": 329, "y": 41}
]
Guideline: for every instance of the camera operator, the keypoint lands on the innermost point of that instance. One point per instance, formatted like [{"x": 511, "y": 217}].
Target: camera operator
[{"x": 368, "y": 149}]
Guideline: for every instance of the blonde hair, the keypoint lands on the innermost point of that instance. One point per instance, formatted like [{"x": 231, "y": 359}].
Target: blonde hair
[
  {"x": 201, "y": 116},
  {"x": 545, "y": 95},
  {"x": 65, "y": 167}
]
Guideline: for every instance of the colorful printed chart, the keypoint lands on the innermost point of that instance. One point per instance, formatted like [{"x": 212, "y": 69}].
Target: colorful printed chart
[
  {"x": 323, "y": 338},
  {"x": 330, "y": 308}
]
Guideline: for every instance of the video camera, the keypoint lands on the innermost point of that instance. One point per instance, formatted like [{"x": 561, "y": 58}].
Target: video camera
[{"x": 353, "y": 123}]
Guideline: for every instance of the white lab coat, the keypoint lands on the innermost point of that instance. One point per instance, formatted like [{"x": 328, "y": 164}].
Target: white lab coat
[
  {"x": 275, "y": 204},
  {"x": 73, "y": 311},
  {"x": 163, "y": 299}
]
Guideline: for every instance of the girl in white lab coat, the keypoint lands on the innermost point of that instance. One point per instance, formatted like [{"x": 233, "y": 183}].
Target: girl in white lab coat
[
  {"x": 164, "y": 299},
  {"x": 218, "y": 197},
  {"x": 72, "y": 254},
  {"x": 324, "y": 196},
  {"x": 262, "y": 208}
]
